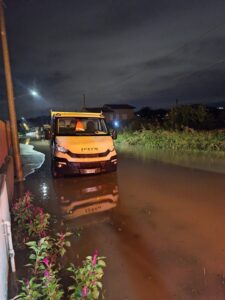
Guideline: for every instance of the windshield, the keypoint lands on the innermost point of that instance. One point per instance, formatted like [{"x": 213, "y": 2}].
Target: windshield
[{"x": 80, "y": 126}]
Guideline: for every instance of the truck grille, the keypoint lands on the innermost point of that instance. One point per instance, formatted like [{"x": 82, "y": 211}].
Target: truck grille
[{"x": 91, "y": 155}]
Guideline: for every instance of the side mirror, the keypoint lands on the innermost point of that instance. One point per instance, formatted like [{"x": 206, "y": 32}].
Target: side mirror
[{"x": 114, "y": 134}]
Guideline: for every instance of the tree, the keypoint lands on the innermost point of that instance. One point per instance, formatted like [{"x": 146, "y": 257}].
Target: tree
[{"x": 192, "y": 116}]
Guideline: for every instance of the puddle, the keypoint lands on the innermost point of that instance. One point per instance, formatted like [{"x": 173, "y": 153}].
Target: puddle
[
  {"x": 161, "y": 227},
  {"x": 198, "y": 160}
]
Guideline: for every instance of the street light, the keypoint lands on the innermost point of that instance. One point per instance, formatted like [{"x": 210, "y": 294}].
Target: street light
[
  {"x": 34, "y": 93},
  {"x": 31, "y": 92}
]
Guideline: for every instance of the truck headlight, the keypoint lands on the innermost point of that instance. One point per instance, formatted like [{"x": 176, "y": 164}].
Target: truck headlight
[{"x": 60, "y": 149}]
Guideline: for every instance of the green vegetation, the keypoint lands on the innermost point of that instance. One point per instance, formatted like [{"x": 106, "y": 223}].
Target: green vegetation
[
  {"x": 189, "y": 140},
  {"x": 196, "y": 116},
  {"x": 87, "y": 278},
  {"x": 46, "y": 249}
]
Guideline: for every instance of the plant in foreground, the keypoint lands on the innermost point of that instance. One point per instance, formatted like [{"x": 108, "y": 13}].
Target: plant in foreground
[
  {"x": 60, "y": 243},
  {"x": 43, "y": 269},
  {"x": 87, "y": 278},
  {"x": 32, "y": 222},
  {"x": 39, "y": 256},
  {"x": 46, "y": 251},
  {"x": 22, "y": 209},
  {"x": 30, "y": 290},
  {"x": 51, "y": 289},
  {"x": 38, "y": 225}
]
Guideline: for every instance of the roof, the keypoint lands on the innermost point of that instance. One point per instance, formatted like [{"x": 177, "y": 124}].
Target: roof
[
  {"x": 76, "y": 114},
  {"x": 98, "y": 109},
  {"x": 119, "y": 106}
]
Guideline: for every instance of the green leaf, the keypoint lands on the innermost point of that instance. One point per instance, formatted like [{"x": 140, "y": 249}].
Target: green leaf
[
  {"x": 99, "y": 284},
  {"x": 68, "y": 244},
  {"x": 101, "y": 263},
  {"x": 31, "y": 243},
  {"x": 95, "y": 294},
  {"x": 32, "y": 256}
]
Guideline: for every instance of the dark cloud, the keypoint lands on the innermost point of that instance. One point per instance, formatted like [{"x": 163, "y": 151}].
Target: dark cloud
[
  {"x": 198, "y": 87},
  {"x": 57, "y": 77},
  {"x": 140, "y": 51}
]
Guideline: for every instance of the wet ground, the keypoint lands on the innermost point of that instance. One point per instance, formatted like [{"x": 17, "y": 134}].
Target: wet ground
[{"x": 161, "y": 226}]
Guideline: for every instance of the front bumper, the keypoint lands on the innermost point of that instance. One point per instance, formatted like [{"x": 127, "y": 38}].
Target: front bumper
[{"x": 65, "y": 167}]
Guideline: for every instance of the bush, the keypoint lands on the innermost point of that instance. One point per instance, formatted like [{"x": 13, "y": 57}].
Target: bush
[{"x": 175, "y": 140}]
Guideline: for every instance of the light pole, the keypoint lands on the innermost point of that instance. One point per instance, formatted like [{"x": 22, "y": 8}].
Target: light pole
[{"x": 10, "y": 96}]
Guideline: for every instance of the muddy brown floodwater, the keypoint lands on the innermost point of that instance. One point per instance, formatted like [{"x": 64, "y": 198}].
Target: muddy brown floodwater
[{"x": 161, "y": 226}]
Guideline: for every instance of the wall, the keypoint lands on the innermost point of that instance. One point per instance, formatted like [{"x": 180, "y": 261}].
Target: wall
[
  {"x": 4, "y": 216},
  {"x": 120, "y": 113},
  {"x": 6, "y": 194}
]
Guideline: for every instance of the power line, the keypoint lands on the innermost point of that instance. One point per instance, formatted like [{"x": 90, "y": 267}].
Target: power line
[
  {"x": 209, "y": 66},
  {"x": 191, "y": 73},
  {"x": 134, "y": 74}
]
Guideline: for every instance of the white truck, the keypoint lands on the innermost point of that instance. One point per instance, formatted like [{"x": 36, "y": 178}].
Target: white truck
[{"x": 81, "y": 144}]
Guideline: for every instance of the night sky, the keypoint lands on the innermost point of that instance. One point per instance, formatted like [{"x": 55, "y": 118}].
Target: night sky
[{"x": 145, "y": 53}]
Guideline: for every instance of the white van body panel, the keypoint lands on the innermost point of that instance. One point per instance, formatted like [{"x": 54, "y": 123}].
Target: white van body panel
[
  {"x": 78, "y": 153},
  {"x": 85, "y": 144}
]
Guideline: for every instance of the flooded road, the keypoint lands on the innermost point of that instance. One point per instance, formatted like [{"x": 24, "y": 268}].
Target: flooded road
[{"x": 161, "y": 226}]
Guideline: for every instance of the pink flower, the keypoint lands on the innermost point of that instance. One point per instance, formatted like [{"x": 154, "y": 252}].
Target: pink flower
[
  {"x": 46, "y": 261},
  {"x": 61, "y": 236},
  {"x": 27, "y": 194},
  {"x": 38, "y": 210},
  {"x": 84, "y": 291},
  {"x": 27, "y": 197},
  {"x": 94, "y": 258},
  {"x": 46, "y": 274}
]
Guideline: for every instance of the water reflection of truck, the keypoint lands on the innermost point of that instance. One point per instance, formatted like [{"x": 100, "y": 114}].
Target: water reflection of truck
[
  {"x": 84, "y": 196},
  {"x": 81, "y": 144}
]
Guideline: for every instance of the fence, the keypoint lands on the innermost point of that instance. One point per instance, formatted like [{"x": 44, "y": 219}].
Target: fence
[{"x": 6, "y": 193}]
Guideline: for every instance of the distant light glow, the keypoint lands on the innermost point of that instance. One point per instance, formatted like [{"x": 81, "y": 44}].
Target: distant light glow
[
  {"x": 116, "y": 124},
  {"x": 34, "y": 93},
  {"x": 26, "y": 126}
]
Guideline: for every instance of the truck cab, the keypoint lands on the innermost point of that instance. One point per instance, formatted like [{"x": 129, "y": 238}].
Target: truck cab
[{"x": 81, "y": 144}]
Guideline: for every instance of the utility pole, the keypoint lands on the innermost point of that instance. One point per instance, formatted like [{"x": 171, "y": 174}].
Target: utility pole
[
  {"x": 10, "y": 97},
  {"x": 84, "y": 100}
]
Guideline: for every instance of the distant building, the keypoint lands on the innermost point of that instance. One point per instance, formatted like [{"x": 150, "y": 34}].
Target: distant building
[
  {"x": 121, "y": 112},
  {"x": 114, "y": 112},
  {"x": 108, "y": 113}
]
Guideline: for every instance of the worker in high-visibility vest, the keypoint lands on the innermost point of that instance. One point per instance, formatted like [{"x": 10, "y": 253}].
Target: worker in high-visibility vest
[{"x": 79, "y": 125}]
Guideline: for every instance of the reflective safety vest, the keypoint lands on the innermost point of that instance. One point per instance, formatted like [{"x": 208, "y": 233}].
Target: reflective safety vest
[{"x": 79, "y": 126}]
